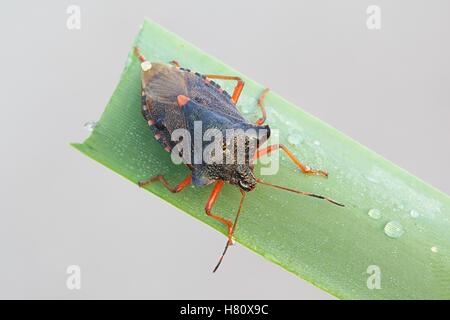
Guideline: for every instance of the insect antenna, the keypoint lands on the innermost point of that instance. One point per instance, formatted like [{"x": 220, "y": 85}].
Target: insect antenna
[
  {"x": 229, "y": 241},
  {"x": 309, "y": 194}
]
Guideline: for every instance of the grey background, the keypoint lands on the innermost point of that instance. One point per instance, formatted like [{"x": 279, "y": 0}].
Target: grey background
[{"x": 388, "y": 89}]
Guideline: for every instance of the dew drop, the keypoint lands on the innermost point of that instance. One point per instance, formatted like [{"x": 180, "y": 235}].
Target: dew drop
[
  {"x": 414, "y": 214},
  {"x": 434, "y": 249},
  {"x": 374, "y": 214},
  {"x": 295, "y": 139},
  {"x": 394, "y": 229},
  {"x": 90, "y": 125},
  {"x": 317, "y": 142}
]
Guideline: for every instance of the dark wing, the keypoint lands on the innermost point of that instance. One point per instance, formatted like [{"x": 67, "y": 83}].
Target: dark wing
[
  {"x": 208, "y": 94},
  {"x": 161, "y": 92}
]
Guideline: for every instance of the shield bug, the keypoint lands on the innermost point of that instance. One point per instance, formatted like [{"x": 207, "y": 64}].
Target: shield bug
[{"x": 175, "y": 98}]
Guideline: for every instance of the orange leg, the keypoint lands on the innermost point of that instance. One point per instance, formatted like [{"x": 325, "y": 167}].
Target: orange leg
[
  {"x": 237, "y": 90},
  {"x": 175, "y": 63},
  {"x": 138, "y": 53},
  {"x": 212, "y": 198},
  {"x": 183, "y": 184},
  {"x": 304, "y": 168},
  {"x": 261, "y": 99}
]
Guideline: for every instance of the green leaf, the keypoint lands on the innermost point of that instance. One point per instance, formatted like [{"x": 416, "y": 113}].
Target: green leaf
[{"x": 329, "y": 246}]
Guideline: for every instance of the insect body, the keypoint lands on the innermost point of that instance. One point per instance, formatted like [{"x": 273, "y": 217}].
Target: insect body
[{"x": 176, "y": 98}]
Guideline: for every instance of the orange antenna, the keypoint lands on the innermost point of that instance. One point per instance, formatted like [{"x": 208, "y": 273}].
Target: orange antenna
[
  {"x": 229, "y": 241},
  {"x": 309, "y": 194}
]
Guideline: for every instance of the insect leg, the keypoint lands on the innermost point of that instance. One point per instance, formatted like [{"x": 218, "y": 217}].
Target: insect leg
[
  {"x": 304, "y": 168},
  {"x": 183, "y": 184},
  {"x": 175, "y": 63},
  {"x": 237, "y": 90},
  {"x": 138, "y": 53},
  {"x": 261, "y": 99},
  {"x": 212, "y": 198}
]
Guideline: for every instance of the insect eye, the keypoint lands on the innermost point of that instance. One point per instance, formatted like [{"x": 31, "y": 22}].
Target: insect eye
[{"x": 243, "y": 184}]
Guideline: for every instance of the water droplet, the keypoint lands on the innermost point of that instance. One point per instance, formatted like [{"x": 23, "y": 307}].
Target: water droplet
[
  {"x": 374, "y": 214},
  {"x": 394, "y": 229},
  {"x": 414, "y": 214},
  {"x": 90, "y": 125},
  {"x": 295, "y": 139},
  {"x": 317, "y": 142},
  {"x": 434, "y": 249}
]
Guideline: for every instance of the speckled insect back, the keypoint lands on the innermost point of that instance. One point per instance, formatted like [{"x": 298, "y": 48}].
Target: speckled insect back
[{"x": 176, "y": 98}]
